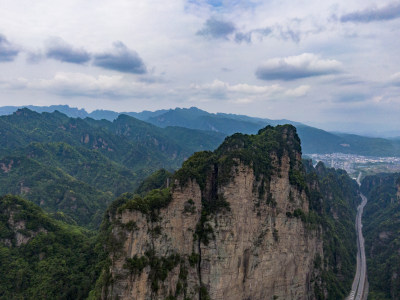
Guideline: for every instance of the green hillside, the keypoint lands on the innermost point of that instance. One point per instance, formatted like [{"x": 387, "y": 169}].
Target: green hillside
[
  {"x": 314, "y": 140},
  {"x": 77, "y": 166},
  {"x": 381, "y": 228},
  {"x": 333, "y": 199},
  {"x": 42, "y": 258},
  {"x": 53, "y": 189}
]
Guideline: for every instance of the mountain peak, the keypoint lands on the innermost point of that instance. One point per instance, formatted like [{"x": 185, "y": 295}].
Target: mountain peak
[{"x": 24, "y": 111}]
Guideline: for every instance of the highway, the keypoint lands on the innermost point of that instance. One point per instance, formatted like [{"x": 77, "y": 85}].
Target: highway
[{"x": 358, "y": 289}]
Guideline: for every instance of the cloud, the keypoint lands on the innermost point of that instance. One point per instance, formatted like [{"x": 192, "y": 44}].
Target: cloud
[
  {"x": 389, "y": 12},
  {"x": 300, "y": 91},
  {"x": 217, "y": 29},
  {"x": 68, "y": 84},
  {"x": 395, "y": 79},
  {"x": 60, "y": 50},
  {"x": 218, "y": 87},
  {"x": 288, "y": 34},
  {"x": 242, "y": 101},
  {"x": 121, "y": 59},
  {"x": 248, "y": 36},
  {"x": 351, "y": 97},
  {"x": 243, "y": 37},
  {"x": 246, "y": 93},
  {"x": 348, "y": 80},
  {"x": 34, "y": 57},
  {"x": 296, "y": 67},
  {"x": 8, "y": 52},
  {"x": 294, "y": 30}
]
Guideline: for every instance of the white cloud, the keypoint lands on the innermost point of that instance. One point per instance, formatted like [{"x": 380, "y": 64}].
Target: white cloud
[
  {"x": 296, "y": 67},
  {"x": 243, "y": 101},
  {"x": 242, "y": 88},
  {"x": 308, "y": 42},
  {"x": 395, "y": 79},
  {"x": 299, "y": 91},
  {"x": 80, "y": 84},
  {"x": 244, "y": 93}
]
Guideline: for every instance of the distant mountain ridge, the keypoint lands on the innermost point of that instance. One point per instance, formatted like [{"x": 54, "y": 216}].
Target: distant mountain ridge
[
  {"x": 314, "y": 140},
  {"x": 78, "y": 166}
]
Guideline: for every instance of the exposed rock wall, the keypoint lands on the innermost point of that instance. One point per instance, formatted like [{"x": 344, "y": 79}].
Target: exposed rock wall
[
  {"x": 21, "y": 234},
  {"x": 255, "y": 249}
]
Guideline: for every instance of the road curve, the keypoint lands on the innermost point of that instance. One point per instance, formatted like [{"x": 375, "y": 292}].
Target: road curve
[{"x": 358, "y": 289}]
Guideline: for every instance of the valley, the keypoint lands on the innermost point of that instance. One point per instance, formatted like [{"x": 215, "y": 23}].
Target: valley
[
  {"x": 199, "y": 150},
  {"x": 172, "y": 232},
  {"x": 356, "y": 164},
  {"x": 359, "y": 288}
]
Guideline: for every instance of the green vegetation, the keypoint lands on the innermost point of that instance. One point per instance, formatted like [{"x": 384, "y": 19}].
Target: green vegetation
[
  {"x": 72, "y": 168},
  {"x": 256, "y": 151},
  {"x": 41, "y": 258},
  {"x": 189, "y": 207},
  {"x": 54, "y": 190},
  {"x": 156, "y": 180},
  {"x": 159, "y": 266},
  {"x": 150, "y": 204},
  {"x": 194, "y": 259},
  {"x": 333, "y": 201},
  {"x": 381, "y": 228},
  {"x": 212, "y": 128},
  {"x": 78, "y": 166}
]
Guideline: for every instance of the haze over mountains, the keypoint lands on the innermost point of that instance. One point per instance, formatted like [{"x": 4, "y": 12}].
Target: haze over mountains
[
  {"x": 78, "y": 166},
  {"x": 256, "y": 189},
  {"x": 314, "y": 140},
  {"x": 83, "y": 172}
]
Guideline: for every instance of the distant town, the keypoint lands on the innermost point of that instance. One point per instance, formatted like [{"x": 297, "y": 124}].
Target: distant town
[{"x": 353, "y": 164}]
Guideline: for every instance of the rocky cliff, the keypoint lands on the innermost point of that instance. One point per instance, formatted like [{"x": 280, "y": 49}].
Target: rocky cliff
[{"x": 235, "y": 224}]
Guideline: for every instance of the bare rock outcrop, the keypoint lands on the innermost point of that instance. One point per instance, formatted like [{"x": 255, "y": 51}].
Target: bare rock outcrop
[{"x": 242, "y": 238}]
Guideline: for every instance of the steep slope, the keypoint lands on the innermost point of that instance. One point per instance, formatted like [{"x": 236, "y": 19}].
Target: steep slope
[
  {"x": 236, "y": 224},
  {"x": 314, "y": 140},
  {"x": 77, "y": 166},
  {"x": 53, "y": 189},
  {"x": 381, "y": 230},
  {"x": 195, "y": 118},
  {"x": 41, "y": 258},
  {"x": 126, "y": 140},
  {"x": 333, "y": 198},
  {"x": 88, "y": 166}
]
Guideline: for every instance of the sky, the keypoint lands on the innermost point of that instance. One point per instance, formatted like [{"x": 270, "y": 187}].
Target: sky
[{"x": 330, "y": 64}]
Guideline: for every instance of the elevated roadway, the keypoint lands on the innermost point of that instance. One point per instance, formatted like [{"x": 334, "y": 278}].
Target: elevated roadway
[{"x": 359, "y": 289}]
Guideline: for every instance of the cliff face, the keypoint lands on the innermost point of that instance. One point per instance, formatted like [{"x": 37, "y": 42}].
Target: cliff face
[{"x": 230, "y": 229}]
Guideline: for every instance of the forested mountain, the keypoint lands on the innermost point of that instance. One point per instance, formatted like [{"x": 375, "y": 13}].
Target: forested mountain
[
  {"x": 382, "y": 231},
  {"x": 314, "y": 140},
  {"x": 334, "y": 198},
  {"x": 42, "y": 258},
  {"x": 53, "y": 189},
  {"x": 244, "y": 212},
  {"x": 79, "y": 165},
  {"x": 258, "y": 177}
]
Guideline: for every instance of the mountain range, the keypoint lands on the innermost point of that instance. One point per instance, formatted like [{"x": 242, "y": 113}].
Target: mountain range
[
  {"x": 250, "y": 210},
  {"x": 314, "y": 140},
  {"x": 78, "y": 166}
]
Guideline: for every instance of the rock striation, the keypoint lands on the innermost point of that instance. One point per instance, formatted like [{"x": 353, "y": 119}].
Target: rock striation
[{"x": 233, "y": 225}]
